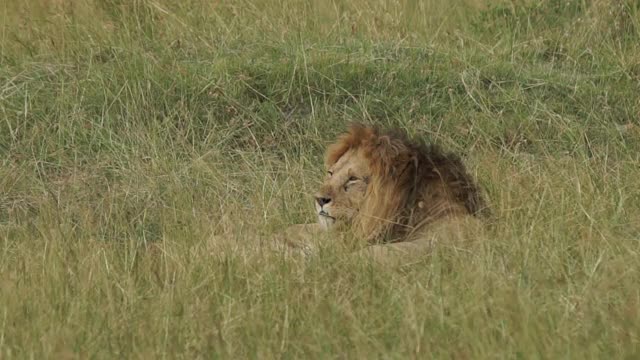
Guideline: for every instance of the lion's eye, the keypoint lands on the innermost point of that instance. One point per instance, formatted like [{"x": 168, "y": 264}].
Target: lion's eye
[
  {"x": 330, "y": 173},
  {"x": 350, "y": 182}
]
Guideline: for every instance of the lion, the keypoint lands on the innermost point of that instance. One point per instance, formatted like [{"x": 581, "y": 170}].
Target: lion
[{"x": 397, "y": 196}]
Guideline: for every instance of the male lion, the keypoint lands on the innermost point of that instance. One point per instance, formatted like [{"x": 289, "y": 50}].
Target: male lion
[{"x": 398, "y": 196}]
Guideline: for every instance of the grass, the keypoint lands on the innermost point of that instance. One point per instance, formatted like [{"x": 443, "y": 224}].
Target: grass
[{"x": 147, "y": 149}]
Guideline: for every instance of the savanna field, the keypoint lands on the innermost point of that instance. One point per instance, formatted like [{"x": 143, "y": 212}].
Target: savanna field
[{"x": 151, "y": 152}]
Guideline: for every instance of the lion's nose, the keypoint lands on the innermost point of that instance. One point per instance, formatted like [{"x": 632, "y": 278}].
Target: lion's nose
[{"x": 322, "y": 201}]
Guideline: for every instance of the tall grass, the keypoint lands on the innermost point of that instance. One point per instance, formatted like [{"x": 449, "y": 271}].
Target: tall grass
[{"x": 148, "y": 149}]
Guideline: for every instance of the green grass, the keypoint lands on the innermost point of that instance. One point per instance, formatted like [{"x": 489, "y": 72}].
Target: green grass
[{"x": 148, "y": 149}]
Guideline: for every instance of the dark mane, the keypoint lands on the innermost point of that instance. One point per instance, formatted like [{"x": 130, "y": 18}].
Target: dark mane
[{"x": 436, "y": 164}]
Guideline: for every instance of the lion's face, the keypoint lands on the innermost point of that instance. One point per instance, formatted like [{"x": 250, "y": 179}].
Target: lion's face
[{"x": 343, "y": 190}]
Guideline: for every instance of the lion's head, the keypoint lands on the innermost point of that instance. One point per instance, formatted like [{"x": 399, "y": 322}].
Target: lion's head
[{"x": 384, "y": 187}]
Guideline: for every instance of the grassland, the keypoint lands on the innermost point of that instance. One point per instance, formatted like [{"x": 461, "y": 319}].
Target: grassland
[{"x": 147, "y": 146}]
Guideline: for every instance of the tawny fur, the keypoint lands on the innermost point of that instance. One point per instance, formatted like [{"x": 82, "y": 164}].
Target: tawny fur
[
  {"x": 413, "y": 184},
  {"x": 404, "y": 192}
]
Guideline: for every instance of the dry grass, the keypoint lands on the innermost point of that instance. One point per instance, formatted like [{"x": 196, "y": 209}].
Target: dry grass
[{"x": 147, "y": 146}]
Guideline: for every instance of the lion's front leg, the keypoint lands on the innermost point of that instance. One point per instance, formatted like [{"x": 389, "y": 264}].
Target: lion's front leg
[
  {"x": 395, "y": 253},
  {"x": 457, "y": 232},
  {"x": 302, "y": 237}
]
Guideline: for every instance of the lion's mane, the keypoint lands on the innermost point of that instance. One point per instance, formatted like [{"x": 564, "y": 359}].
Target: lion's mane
[{"x": 413, "y": 184}]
